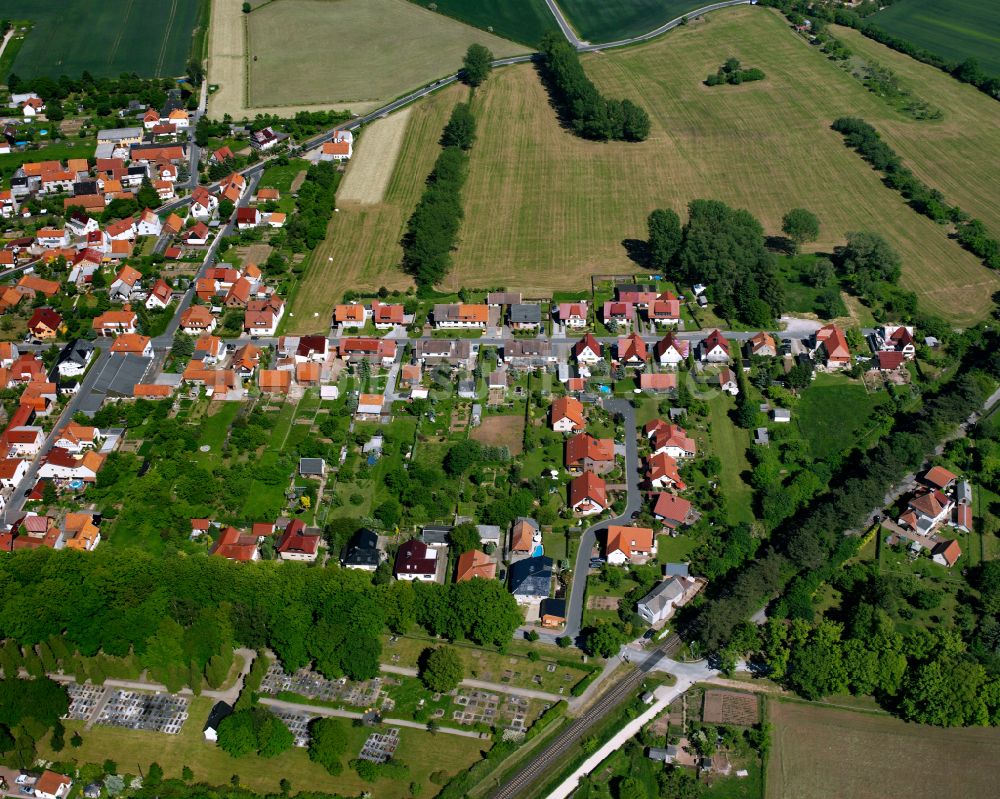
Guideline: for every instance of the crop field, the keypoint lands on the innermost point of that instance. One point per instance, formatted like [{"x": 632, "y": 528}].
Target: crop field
[
  {"x": 611, "y": 20},
  {"x": 524, "y": 21},
  {"x": 353, "y": 51},
  {"x": 819, "y": 752},
  {"x": 546, "y": 209},
  {"x": 361, "y": 251},
  {"x": 149, "y": 37},
  {"x": 955, "y": 29},
  {"x": 374, "y": 160}
]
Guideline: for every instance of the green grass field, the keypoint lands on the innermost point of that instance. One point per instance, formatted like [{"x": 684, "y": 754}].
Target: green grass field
[
  {"x": 150, "y": 37},
  {"x": 730, "y": 444},
  {"x": 353, "y": 50},
  {"x": 819, "y": 752},
  {"x": 524, "y": 21},
  {"x": 547, "y": 209},
  {"x": 611, "y": 20},
  {"x": 833, "y": 413},
  {"x": 422, "y": 752},
  {"x": 955, "y": 29}
]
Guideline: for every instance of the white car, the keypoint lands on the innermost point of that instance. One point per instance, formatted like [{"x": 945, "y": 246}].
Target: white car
[{"x": 25, "y": 779}]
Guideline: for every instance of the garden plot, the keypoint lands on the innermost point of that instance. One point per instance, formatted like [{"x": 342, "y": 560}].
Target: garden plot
[
  {"x": 730, "y": 707},
  {"x": 82, "y": 700},
  {"x": 310, "y": 684},
  {"x": 138, "y": 711}
]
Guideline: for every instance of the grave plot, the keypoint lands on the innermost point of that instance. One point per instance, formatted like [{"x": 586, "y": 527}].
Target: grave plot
[
  {"x": 310, "y": 684},
  {"x": 82, "y": 700},
  {"x": 297, "y": 723},
  {"x": 138, "y": 711},
  {"x": 508, "y": 712},
  {"x": 380, "y": 746}
]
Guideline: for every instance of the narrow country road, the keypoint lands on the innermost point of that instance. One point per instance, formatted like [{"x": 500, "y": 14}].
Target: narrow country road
[{"x": 528, "y": 693}]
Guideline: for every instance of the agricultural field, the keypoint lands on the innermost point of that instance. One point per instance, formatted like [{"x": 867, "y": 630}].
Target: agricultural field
[
  {"x": 353, "y": 51},
  {"x": 547, "y": 209},
  {"x": 361, "y": 250},
  {"x": 611, "y": 20},
  {"x": 821, "y": 752},
  {"x": 150, "y": 38},
  {"x": 374, "y": 160},
  {"x": 955, "y": 29},
  {"x": 421, "y": 751},
  {"x": 524, "y": 21}
]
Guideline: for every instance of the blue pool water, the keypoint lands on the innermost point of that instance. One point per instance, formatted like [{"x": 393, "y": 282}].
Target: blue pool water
[
  {"x": 538, "y": 551},
  {"x": 43, "y": 132},
  {"x": 604, "y": 389},
  {"x": 76, "y": 485}
]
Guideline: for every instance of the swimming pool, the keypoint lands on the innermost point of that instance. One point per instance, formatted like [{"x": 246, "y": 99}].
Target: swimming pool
[
  {"x": 604, "y": 389},
  {"x": 538, "y": 551},
  {"x": 76, "y": 485}
]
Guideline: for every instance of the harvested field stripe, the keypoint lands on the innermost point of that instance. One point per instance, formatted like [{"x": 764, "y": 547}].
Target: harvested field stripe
[
  {"x": 374, "y": 160},
  {"x": 113, "y": 51}
]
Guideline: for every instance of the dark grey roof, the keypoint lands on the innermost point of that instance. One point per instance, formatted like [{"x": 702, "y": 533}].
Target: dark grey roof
[
  {"x": 525, "y": 313},
  {"x": 311, "y": 465},
  {"x": 435, "y": 535},
  {"x": 117, "y": 378},
  {"x": 676, "y": 570},
  {"x": 219, "y": 712},
  {"x": 77, "y": 351},
  {"x": 531, "y": 576},
  {"x": 363, "y": 549},
  {"x": 553, "y": 607}
]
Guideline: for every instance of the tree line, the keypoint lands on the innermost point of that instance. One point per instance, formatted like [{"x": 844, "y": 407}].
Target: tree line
[
  {"x": 432, "y": 229},
  {"x": 971, "y": 233},
  {"x": 965, "y": 71},
  {"x": 722, "y": 248},
  {"x": 809, "y": 548},
  {"x": 315, "y": 201},
  {"x": 587, "y": 111},
  {"x": 176, "y": 613}
]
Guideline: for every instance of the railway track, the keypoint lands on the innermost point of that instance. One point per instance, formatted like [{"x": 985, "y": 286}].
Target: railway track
[{"x": 570, "y": 737}]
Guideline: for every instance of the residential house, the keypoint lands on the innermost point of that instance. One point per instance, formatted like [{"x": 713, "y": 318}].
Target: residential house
[
  {"x": 762, "y": 344},
  {"x": 387, "y": 317},
  {"x": 926, "y": 511},
  {"x": 49, "y": 238},
  {"x": 728, "y": 383},
  {"x": 196, "y": 320},
  {"x": 669, "y": 438},
  {"x": 661, "y": 603},
  {"x": 573, "y": 314},
  {"x": 363, "y": 552},
  {"x": 113, "y": 323},
  {"x": 524, "y": 316},
  {"x": 670, "y": 350},
  {"x": 12, "y": 471},
  {"x": 149, "y": 224},
  {"x": 132, "y": 344},
  {"x": 248, "y": 217},
  {"x": 673, "y": 511},
  {"x": 629, "y": 544},
  {"x": 339, "y": 148},
  {"x": 52, "y": 785},
  {"x": 831, "y": 343},
  {"x": 370, "y": 408},
  {"x": 126, "y": 282},
  {"x": 525, "y": 537},
  {"x": 658, "y": 382},
  {"x": 122, "y": 230},
  {"x": 274, "y": 381},
  {"x": 196, "y": 236},
  {"x": 631, "y": 351},
  {"x": 528, "y": 354},
  {"x": 298, "y": 544},
  {"x": 79, "y": 532},
  {"x": 584, "y": 453},
  {"x": 662, "y": 472},
  {"x": 350, "y": 315},
  {"x": 416, "y": 561},
  {"x": 374, "y": 350},
  {"x": 588, "y": 494},
  {"x": 665, "y": 309},
  {"x": 946, "y": 553},
  {"x": 895, "y": 338},
  {"x": 159, "y": 296},
  {"x": 531, "y": 579},
  {"x": 434, "y": 352},
  {"x": 30, "y": 285},
  {"x": 714, "y": 348},
  {"x": 75, "y": 438},
  {"x": 203, "y": 204},
  {"x": 474, "y": 564},
  {"x": 588, "y": 350},
  {"x": 264, "y": 139},
  {"x": 262, "y": 316},
  {"x": 59, "y": 464},
  {"x": 618, "y": 315},
  {"x": 209, "y": 348},
  {"x": 940, "y": 478},
  {"x": 461, "y": 316},
  {"x": 23, "y": 441},
  {"x": 234, "y": 545},
  {"x": 44, "y": 324},
  {"x": 567, "y": 415}
]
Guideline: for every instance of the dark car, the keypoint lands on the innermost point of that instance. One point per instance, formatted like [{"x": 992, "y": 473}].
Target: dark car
[
  {"x": 648, "y": 634},
  {"x": 635, "y": 515}
]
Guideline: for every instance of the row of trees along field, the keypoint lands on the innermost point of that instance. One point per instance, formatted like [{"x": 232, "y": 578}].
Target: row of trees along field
[
  {"x": 177, "y": 614},
  {"x": 723, "y": 248},
  {"x": 951, "y": 687},
  {"x": 970, "y": 233},
  {"x": 584, "y": 108},
  {"x": 966, "y": 71}
]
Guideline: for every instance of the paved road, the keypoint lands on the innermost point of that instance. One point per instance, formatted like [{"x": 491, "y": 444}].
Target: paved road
[
  {"x": 564, "y": 26},
  {"x": 574, "y": 610},
  {"x": 320, "y": 710},
  {"x": 667, "y": 26},
  {"x": 528, "y": 693}
]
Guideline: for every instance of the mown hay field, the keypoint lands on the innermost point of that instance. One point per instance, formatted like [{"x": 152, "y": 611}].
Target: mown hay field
[
  {"x": 353, "y": 51},
  {"x": 374, "y": 160},
  {"x": 819, "y": 752},
  {"x": 150, "y": 37},
  {"x": 361, "y": 250},
  {"x": 955, "y": 29},
  {"x": 545, "y": 209}
]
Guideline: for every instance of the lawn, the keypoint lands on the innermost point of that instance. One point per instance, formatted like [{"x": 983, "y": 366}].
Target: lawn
[
  {"x": 60, "y": 151},
  {"x": 801, "y": 295},
  {"x": 132, "y": 749},
  {"x": 834, "y": 412},
  {"x": 548, "y": 210},
  {"x": 368, "y": 51},
  {"x": 819, "y": 752},
  {"x": 955, "y": 29},
  {"x": 106, "y": 39},
  {"x": 729, "y": 444},
  {"x": 524, "y": 21},
  {"x": 216, "y": 428},
  {"x": 361, "y": 251},
  {"x": 611, "y": 20}
]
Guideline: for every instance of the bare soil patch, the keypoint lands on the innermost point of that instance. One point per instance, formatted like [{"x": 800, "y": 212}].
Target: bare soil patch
[
  {"x": 502, "y": 431},
  {"x": 374, "y": 160}
]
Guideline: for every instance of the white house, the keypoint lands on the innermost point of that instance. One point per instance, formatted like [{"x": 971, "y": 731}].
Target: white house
[
  {"x": 203, "y": 203},
  {"x": 149, "y": 224},
  {"x": 53, "y": 786},
  {"x": 660, "y": 603},
  {"x": 12, "y": 471}
]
